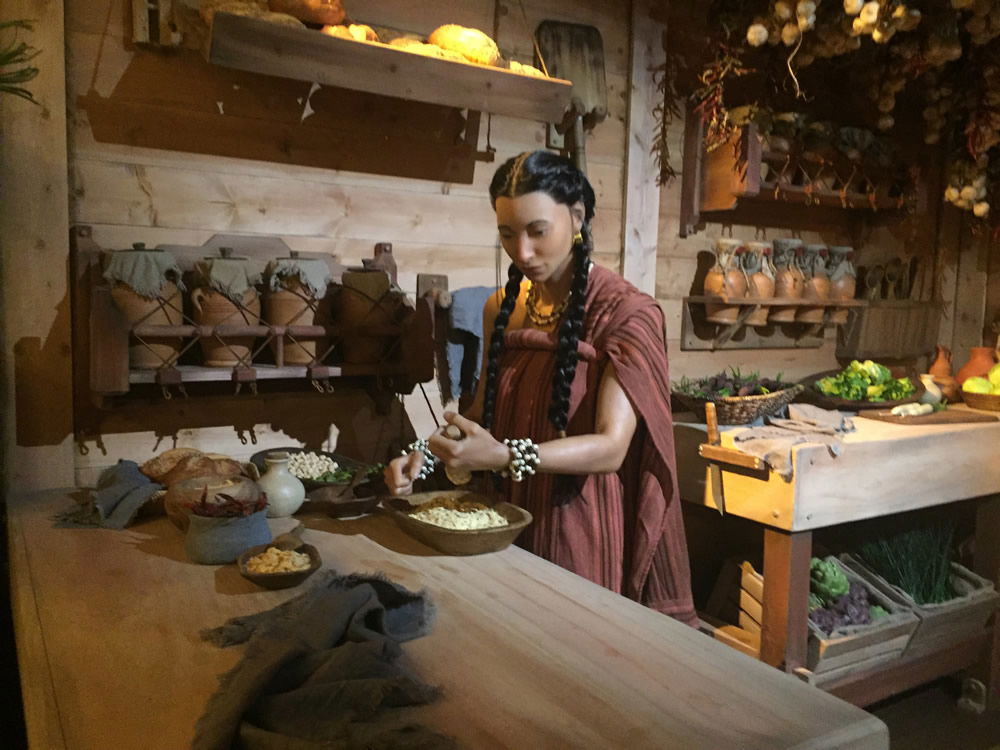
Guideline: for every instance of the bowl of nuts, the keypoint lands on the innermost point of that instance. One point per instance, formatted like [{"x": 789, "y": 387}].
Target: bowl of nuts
[
  {"x": 314, "y": 468},
  {"x": 283, "y": 563}
]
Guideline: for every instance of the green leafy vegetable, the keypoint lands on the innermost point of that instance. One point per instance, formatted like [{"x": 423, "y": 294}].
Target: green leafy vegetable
[
  {"x": 866, "y": 381},
  {"x": 916, "y": 560},
  {"x": 730, "y": 382},
  {"x": 827, "y": 580}
]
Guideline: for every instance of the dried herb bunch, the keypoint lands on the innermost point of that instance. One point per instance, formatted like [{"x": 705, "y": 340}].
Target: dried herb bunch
[{"x": 16, "y": 53}]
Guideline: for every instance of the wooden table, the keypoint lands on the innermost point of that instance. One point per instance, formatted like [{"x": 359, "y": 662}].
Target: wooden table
[
  {"x": 529, "y": 655},
  {"x": 884, "y": 469}
]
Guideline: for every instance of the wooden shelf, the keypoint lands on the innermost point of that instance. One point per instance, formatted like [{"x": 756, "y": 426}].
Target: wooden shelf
[
  {"x": 776, "y": 301},
  {"x": 199, "y": 374},
  {"x": 308, "y": 55},
  {"x": 729, "y": 186}
]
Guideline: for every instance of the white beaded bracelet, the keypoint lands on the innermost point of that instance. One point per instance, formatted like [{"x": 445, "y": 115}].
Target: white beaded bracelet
[
  {"x": 430, "y": 460},
  {"x": 524, "y": 458}
]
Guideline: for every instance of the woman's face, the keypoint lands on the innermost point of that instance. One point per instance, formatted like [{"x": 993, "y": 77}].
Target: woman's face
[{"x": 537, "y": 233}]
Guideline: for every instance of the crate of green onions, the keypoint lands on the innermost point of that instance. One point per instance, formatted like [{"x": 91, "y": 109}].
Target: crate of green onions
[
  {"x": 951, "y": 602},
  {"x": 853, "y": 626}
]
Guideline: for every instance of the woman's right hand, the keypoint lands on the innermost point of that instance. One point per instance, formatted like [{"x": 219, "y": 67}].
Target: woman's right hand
[{"x": 400, "y": 472}]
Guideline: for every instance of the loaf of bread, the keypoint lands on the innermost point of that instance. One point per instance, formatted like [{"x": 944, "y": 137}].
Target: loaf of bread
[
  {"x": 420, "y": 48},
  {"x": 179, "y": 464},
  {"x": 330, "y": 12},
  {"x": 357, "y": 32},
  {"x": 472, "y": 44},
  {"x": 525, "y": 70}
]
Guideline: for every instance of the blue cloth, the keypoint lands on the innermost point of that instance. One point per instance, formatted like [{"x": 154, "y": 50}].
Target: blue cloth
[
  {"x": 465, "y": 334},
  {"x": 121, "y": 490}
]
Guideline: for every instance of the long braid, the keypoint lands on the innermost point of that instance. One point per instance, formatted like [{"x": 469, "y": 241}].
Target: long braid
[
  {"x": 510, "y": 294},
  {"x": 570, "y": 331}
]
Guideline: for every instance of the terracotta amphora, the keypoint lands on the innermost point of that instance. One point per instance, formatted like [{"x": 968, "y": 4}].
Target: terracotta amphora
[
  {"x": 789, "y": 281},
  {"x": 151, "y": 352},
  {"x": 817, "y": 285},
  {"x": 843, "y": 280},
  {"x": 212, "y": 308},
  {"x": 981, "y": 359},
  {"x": 726, "y": 278},
  {"x": 760, "y": 279},
  {"x": 941, "y": 366}
]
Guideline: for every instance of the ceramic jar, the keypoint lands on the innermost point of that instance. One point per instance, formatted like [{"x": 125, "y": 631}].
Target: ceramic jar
[
  {"x": 789, "y": 281},
  {"x": 212, "y": 307},
  {"x": 725, "y": 279},
  {"x": 285, "y": 492},
  {"x": 366, "y": 299},
  {"x": 163, "y": 309},
  {"x": 843, "y": 280},
  {"x": 981, "y": 359},
  {"x": 817, "y": 284},
  {"x": 760, "y": 279}
]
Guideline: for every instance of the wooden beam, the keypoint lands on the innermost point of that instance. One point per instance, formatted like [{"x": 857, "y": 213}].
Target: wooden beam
[
  {"x": 786, "y": 594},
  {"x": 641, "y": 200}
]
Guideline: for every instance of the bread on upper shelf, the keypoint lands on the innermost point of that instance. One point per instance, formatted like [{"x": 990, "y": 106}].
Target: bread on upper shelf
[{"x": 474, "y": 45}]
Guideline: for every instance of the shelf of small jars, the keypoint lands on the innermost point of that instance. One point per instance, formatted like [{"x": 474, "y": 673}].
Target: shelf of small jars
[{"x": 781, "y": 334}]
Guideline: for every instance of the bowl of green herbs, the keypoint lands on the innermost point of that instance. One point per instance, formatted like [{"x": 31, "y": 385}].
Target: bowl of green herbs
[{"x": 861, "y": 385}]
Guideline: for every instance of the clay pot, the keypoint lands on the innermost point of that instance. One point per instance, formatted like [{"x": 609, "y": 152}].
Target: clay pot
[
  {"x": 164, "y": 310},
  {"x": 726, "y": 278},
  {"x": 212, "y": 308},
  {"x": 981, "y": 359},
  {"x": 843, "y": 281},
  {"x": 949, "y": 388},
  {"x": 760, "y": 279},
  {"x": 941, "y": 367},
  {"x": 365, "y": 299},
  {"x": 293, "y": 304},
  {"x": 789, "y": 281},
  {"x": 817, "y": 285}
]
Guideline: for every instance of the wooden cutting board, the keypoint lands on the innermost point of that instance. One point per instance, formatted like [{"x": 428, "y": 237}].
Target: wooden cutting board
[{"x": 948, "y": 416}]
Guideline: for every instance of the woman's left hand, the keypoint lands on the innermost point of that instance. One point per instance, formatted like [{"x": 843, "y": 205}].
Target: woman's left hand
[{"x": 478, "y": 450}]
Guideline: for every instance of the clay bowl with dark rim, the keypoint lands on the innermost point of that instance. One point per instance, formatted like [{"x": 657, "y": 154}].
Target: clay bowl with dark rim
[
  {"x": 279, "y": 580},
  {"x": 456, "y": 541}
]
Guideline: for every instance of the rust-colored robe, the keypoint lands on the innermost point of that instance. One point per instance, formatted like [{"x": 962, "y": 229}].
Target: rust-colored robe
[{"x": 623, "y": 531}]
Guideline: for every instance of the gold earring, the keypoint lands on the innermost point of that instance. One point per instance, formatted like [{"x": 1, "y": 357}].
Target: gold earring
[{"x": 578, "y": 238}]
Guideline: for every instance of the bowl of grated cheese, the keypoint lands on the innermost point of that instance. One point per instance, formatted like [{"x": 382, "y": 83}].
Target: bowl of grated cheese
[
  {"x": 458, "y": 522},
  {"x": 275, "y": 566}
]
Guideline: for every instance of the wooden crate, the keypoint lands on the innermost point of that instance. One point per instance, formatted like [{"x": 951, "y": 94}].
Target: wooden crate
[{"x": 939, "y": 624}]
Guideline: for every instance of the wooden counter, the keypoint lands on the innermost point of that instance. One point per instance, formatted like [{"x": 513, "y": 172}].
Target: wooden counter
[
  {"x": 529, "y": 655},
  {"x": 883, "y": 469}
]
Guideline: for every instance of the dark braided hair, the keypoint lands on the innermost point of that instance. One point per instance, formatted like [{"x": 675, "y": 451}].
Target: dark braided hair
[{"x": 560, "y": 179}]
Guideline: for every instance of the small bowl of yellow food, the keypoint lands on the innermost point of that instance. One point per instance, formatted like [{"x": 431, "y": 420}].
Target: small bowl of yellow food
[{"x": 279, "y": 565}]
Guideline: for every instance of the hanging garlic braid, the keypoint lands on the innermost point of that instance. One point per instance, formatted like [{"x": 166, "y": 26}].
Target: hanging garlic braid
[{"x": 564, "y": 183}]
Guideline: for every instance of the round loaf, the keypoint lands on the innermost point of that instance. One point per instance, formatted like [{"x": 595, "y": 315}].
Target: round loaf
[
  {"x": 157, "y": 467},
  {"x": 525, "y": 70},
  {"x": 420, "y": 48},
  {"x": 472, "y": 44}
]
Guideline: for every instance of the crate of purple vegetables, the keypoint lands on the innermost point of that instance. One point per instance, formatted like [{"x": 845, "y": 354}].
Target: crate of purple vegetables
[
  {"x": 739, "y": 397},
  {"x": 852, "y": 626}
]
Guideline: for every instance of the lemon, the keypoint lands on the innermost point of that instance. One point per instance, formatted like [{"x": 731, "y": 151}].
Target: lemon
[
  {"x": 977, "y": 385},
  {"x": 994, "y": 375}
]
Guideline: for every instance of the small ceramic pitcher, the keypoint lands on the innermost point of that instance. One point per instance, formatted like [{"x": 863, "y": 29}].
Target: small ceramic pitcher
[
  {"x": 981, "y": 359},
  {"x": 285, "y": 491},
  {"x": 941, "y": 367},
  {"x": 760, "y": 279},
  {"x": 843, "y": 280},
  {"x": 817, "y": 289},
  {"x": 789, "y": 281},
  {"x": 725, "y": 279}
]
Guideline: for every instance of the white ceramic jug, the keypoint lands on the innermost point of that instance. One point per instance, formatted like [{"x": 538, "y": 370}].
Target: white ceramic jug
[{"x": 285, "y": 492}]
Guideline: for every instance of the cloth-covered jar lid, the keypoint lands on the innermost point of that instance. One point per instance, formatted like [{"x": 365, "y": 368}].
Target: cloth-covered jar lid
[
  {"x": 312, "y": 273},
  {"x": 228, "y": 274},
  {"x": 144, "y": 271}
]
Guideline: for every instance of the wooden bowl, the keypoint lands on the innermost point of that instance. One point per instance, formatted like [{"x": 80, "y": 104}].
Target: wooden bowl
[
  {"x": 812, "y": 396},
  {"x": 984, "y": 401},
  {"x": 455, "y": 541},
  {"x": 257, "y": 459},
  {"x": 279, "y": 580},
  {"x": 340, "y": 502}
]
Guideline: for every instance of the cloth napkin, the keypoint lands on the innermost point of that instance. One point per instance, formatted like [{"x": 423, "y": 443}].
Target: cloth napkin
[
  {"x": 321, "y": 671},
  {"x": 805, "y": 424},
  {"x": 121, "y": 490},
  {"x": 465, "y": 334}
]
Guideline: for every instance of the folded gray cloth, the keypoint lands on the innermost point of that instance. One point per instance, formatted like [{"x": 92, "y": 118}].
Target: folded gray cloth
[
  {"x": 320, "y": 671},
  {"x": 805, "y": 424},
  {"x": 465, "y": 333},
  {"x": 121, "y": 490}
]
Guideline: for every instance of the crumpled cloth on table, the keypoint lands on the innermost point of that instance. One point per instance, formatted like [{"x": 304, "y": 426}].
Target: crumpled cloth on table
[
  {"x": 121, "y": 490},
  {"x": 320, "y": 671},
  {"x": 805, "y": 424}
]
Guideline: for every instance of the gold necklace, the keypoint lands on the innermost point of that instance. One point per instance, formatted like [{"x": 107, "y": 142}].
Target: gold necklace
[{"x": 538, "y": 318}]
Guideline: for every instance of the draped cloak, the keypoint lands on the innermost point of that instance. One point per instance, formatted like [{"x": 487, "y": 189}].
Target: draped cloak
[{"x": 622, "y": 530}]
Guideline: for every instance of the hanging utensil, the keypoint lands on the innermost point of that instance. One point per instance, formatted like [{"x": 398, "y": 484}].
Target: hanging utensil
[{"x": 873, "y": 282}]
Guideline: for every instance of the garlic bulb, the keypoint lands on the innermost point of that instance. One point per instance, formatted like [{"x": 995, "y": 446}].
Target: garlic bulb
[
  {"x": 981, "y": 209},
  {"x": 869, "y": 13},
  {"x": 853, "y": 7},
  {"x": 757, "y": 35},
  {"x": 790, "y": 34},
  {"x": 783, "y": 10}
]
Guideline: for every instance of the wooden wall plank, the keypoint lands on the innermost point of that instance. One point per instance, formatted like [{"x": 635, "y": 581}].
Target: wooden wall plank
[
  {"x": 642, "y": 193},
  {"x": 36, "y": 402}
]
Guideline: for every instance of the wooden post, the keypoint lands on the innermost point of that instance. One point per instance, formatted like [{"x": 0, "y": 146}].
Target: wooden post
[
  {"x": 641, "y": 199},
  {"x": 987, "y": 564},
  {"x": 786, "y": 598}
]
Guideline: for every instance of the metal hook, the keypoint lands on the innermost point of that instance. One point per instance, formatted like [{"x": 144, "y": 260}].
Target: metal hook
[
  {"x": 242, "y": 436},
  {"x": 253, "y": 437},
  {"x": 82, "y": 447},
  {"x": 167, "y": 395},
  {"x": 239, "y": 387},
  {"x": 316, "y": 385},
  {"x": 253, "y": 387},
  {"x": 182, "y": 389},
  {"x": 329, "y": 386}
]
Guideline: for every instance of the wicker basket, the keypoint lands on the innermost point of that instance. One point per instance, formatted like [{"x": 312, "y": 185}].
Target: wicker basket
[
  {"x": 740, "y": 409},
  {"x": 985, "y": 401}
]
